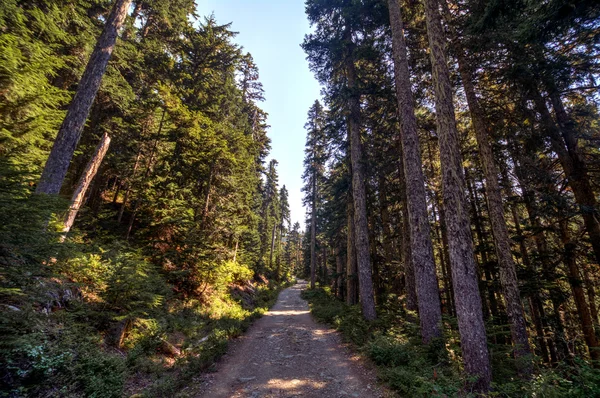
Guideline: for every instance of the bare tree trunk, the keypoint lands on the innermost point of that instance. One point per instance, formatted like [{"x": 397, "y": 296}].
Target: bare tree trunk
[
  {"x": 339, "y": 270},
  {"x": 464, "y": 273},
  {"x": 583, "y": 310},
  {"x": 278, "y": 260},
  {"x": 564, "y": 143},
  {"x": 235, "y": 251},
  {"x": 386, "y": 239},
  {"x": 407, "y": 260},
  {"x": 69, "y": 133},
  {"x": 577, "y": 174},
  {"x": 273, "y": 234},
  {"x": 487, "y": 284},
  {"x": 84, "y": 182},
  {"x": 589, "y": 284},
  {"x": 129, "y": 185},
  {"x": 313, "y": 232},
  {"x": 351, "y": 265},
  {"x": 506, "y": 263},
  {"x": 365, "y": 286},
  {"x": 428, "y": 299}
]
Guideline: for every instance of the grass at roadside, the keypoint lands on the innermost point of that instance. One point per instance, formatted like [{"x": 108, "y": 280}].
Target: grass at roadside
[{"x": 415, "y": 370}]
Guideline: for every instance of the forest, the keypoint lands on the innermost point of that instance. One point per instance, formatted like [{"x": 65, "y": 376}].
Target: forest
[{"x": 451, "y": 187}]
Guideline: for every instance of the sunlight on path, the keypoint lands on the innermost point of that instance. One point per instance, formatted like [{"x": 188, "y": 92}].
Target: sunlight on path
[{"x": 287, "y": 354}]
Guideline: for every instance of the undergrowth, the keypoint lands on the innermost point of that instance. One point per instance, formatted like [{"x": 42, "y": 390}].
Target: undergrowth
[{"x": 416, "y": 370}]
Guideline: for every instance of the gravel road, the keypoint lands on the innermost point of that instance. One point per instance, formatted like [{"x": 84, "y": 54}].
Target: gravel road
[{"x": 287, "y": 354}]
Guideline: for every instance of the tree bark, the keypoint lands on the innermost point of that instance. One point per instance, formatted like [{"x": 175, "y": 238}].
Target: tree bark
[
  {"x": 407, "y": 261},
  {"x": 84, "y": 182},
  {"x": 578, "y": 176},
  {"x": 506, "y": 263},
  {"x": 428, "y": 299},
  {"x": 583, "y": 310},
  {"x": 361, "y": 227},
  {"x": 339, "y": 270},
  {"x": 273, "y": 234},
  {"x": 564, "y": 143},
  {"x": 351, "y": 265},
  {"x": 464, "y": 273},
  {"x": 313, "y": 232},
  {"x": 69, "y": 133}
]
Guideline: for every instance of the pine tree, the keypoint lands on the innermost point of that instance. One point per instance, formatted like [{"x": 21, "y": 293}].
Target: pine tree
[
  {"x": 421, "y": 248},
  {"x": 464, "y": 274},
  {"x": 69, "y": 133}
]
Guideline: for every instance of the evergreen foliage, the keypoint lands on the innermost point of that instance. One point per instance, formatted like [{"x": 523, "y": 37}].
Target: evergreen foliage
[{"x": 163, "y": 264}]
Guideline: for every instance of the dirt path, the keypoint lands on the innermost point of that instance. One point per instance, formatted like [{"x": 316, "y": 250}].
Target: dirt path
[{"x": 287, "y": 354}]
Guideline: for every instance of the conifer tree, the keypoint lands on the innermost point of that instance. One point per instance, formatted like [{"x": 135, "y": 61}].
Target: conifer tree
[
  {"x": 464, "y": 273},
  {"x": 69, "y": 133}
]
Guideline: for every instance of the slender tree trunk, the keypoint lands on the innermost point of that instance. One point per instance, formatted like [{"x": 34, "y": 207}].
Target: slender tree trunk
[
  {"x": 578, "y": 175},
  {"x": 534, "y": 298},
  {"x": 583, "y": 310},
  {"x": 589, "y": 284},
  {"x": 313, "y": 232},
  {"x": 443, "y": 233},
  {"x": 487, "y": 284},
  {"x": 351, "y": 264},
  {"x": 430, "y": 312},
  {"x": 548, "y": 271},
  {"x": 84, "y": 182},
  {"x": 409, "y": 269},
  {"x": 69, "y": 133},
  {"x": 449, "y": 304},
  {"x": 207, "y": 194},
  {"x": 129, "y": 185},
  {"x": 564, "y": 143},
  {"x": 235, "y": 251},
  {"x": 278, "y": 260},
  {"x": 273, "y": 234},
  {"x": 365, "y": 286},
  {"x": 386, "y": 240},
  {"x": 506, "y": 263},
  {"x": 464, "y": 273},
  {"x": 119, "y": 185},
  {"x": 339, "y": 270}
]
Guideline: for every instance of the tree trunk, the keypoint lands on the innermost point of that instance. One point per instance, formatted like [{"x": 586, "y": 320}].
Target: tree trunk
[
  {"x": 548, "y": 271},
  {"x": 313, "y": 232},
  {"x": 564, "y": 144},
  {"x": 464, "y": 273},
  {"x": 273, "y": 234},
  {"x": 534, "y": 298},
  {"x": 129, "y": 185},
  {"x": 69, "y": 133},
  {"x": 577, "y": 174},
  {"x": 278, "y": 260},
  {"x": 583, "y": 310},
  {"x": 428, "y": 299},
  {"x": 481, "y": 247},
  {"x": 351, "y": 265},
  {"x": 409, "y": 269},
  {"x": 84, "y": 182},
  {"x": 506, "y": 263},
  {"x": 361, "y": 228},
  {"x": 339, "y": 270}
]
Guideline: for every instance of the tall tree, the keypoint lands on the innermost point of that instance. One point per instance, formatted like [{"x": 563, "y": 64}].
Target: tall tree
[
  {"x": 314, "y": 173},
  {"x": 506, "y": 263},
  {"x": 69, "y": 133},
  {"x": 464, "y": 273},
  {"x": 430, "y": 314}
]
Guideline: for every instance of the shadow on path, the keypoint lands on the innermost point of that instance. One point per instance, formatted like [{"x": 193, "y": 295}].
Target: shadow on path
[{"x": 287, "y": 354}]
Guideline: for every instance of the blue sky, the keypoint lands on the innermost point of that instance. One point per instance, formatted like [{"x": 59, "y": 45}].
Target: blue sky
[{"x": 272, "y": 30}]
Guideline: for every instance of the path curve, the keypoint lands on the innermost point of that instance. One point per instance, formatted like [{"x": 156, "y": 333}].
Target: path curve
[{"x": 287, "y": 354}]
